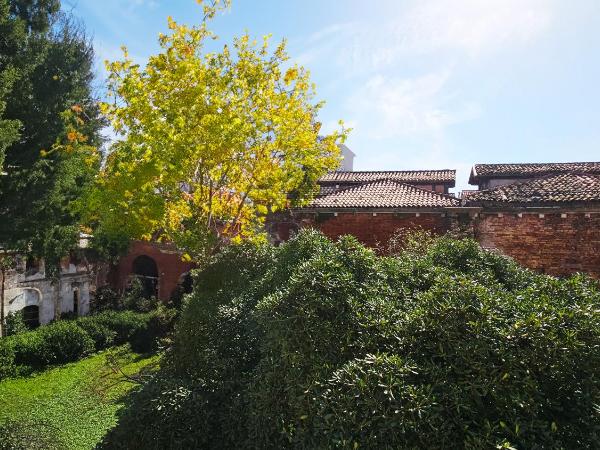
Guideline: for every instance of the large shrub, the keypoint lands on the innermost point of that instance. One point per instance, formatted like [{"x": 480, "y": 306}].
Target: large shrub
[{"x": 316, "y": 344}]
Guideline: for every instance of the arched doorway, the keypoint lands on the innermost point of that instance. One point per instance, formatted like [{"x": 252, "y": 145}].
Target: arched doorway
[
  {"x": 31, "y": 316},
  {"x": 145, "y": 270}
]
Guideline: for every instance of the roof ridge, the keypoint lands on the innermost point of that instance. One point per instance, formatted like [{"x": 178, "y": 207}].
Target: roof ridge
[
  {"x": 389, "y": 180},
  {"x": 392, "y": 171},
  {"x": 535, "y": 164},
  {"x": 541, "y": 186}
]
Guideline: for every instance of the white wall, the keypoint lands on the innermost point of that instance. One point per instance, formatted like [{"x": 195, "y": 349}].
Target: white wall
[{"x": 34, "y": 289}]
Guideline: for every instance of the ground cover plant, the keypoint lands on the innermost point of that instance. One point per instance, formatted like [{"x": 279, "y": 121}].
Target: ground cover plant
[
  {"x": 68, "y": 407},
  {"x": 320, "y": 344}
]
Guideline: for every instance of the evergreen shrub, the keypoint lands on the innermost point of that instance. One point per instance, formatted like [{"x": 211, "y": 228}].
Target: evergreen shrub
[{"x": 320, "y": 344}]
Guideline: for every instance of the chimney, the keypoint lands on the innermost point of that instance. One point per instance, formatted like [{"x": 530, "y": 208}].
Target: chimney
[{"x": 347, "y": 164}]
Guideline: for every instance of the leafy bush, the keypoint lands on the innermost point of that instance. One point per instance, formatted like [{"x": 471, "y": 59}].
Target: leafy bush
[
  {"x": 15, "y": 324},
  {"x": 134, "y": 299},
  {"x": 159, "y": 322},
  {"x": 106, "y": 298},
  {"x": 101, "y": 334},
  {"x": 69, "y": 340},
  {"x": 316, "y": 344},
  {"x": 8, "y": 367},
  {"x": 61, "y": 342},
  {"x": 123, "y": 323}
]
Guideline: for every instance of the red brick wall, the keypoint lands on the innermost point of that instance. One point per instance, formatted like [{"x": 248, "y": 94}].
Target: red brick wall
[
  {"x": 374, "y": 230},
  {"x": 167, "y": 259},
  {"x": 553, "y": 244}
]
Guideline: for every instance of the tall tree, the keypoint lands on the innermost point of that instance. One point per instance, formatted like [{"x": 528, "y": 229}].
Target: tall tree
[
  {"x": 210, "y": 142},
  {"x": 18, "y": 20},
  {"x": 50, "y": 59}
]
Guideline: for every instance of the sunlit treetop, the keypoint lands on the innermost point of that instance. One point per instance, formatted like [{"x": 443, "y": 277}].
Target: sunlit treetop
[{"x": 209, "y": 142}]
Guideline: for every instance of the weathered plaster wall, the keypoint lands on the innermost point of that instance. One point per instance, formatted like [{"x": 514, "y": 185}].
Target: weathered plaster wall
[
  {"x": 34, "y": 289},
  {"x": 556, "y": 243}
]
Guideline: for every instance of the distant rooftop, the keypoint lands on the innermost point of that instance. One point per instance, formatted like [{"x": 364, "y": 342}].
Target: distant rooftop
[
  {"x": 384, "y": 194},
  {"x": 445, "y": 176},
  {"x": 529, "y": 170},
  {"x": 546, "y": 191}
]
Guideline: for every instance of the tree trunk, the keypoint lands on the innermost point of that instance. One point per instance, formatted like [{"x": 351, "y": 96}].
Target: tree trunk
[
  {"x": 2, "y": 302},
  {"x": 57, "y": 300}
]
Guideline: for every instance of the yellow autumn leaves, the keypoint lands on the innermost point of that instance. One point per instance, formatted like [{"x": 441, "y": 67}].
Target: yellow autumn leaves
[{"x": 210, "y": 142}]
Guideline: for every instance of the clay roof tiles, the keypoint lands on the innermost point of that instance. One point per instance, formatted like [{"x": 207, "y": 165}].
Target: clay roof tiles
[
  {"x": 384, "y": 194},
  {"x": 405, "y": 176},
  {"x": 530, "y": 170},
  {"x": 548, "y": 190}
]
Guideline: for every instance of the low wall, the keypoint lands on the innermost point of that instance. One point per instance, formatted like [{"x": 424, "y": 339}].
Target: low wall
[{"x": 557, "y": 243}]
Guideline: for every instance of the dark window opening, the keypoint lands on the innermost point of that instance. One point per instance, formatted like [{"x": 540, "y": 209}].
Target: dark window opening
[
  {"x": 31, "y": 316},
  {"x": 76, "y": 302},
  {"x": 146, "y": 271},
  {"x": 32, "y": 266}
]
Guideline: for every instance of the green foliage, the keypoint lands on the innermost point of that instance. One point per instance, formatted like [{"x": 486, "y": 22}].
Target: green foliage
[
  {"x": 61, "y": 342},
  {"x": 134, "y": 299},
  {"x": 106, "y": 299},
  {"x": 98, "y": 330},
  {"x": 69, "y": 407},
  {"x": 316, "y": 344},
  {"x": 212, "y": 141},
  {"x": 69, "y": 340},
  {"x": 46, "y": 71},
  {"x": 15, "y": 324},
  {"x": 159, "y": 323}
]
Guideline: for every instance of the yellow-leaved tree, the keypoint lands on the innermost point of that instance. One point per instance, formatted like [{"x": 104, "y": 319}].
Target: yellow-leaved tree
[{"x": 209, "y": 142}]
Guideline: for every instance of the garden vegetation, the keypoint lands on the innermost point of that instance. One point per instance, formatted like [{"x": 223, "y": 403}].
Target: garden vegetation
[
  {"x": 319, "y": 344},
  {"x": 65, "y": 341}
]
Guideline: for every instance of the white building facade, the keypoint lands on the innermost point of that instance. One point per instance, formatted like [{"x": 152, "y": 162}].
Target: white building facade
[{"x": 42, "y": 299}]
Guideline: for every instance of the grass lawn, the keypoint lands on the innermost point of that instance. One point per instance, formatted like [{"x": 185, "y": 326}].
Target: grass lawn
[{"x": 72, "y": 406}]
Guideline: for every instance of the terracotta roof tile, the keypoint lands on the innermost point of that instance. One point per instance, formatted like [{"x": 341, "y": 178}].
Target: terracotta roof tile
[
  {"x": 552, "y": 189},
  {"x": 530, "y": 170},
  {"x": 404, "y": 176},
  {"x": 384, "y": 194}
]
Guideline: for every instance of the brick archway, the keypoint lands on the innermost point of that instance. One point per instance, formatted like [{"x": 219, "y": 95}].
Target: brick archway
[
  {"x": 145, "y": 269},
  {"x": 168, "y": 261}
]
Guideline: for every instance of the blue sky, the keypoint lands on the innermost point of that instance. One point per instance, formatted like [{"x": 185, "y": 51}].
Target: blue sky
[{"x": 424, "y": 84}]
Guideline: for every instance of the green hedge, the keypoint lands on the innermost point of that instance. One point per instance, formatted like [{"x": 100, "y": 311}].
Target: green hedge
[
  {"x": 69, "y": 340},
  {"x": 317, "y": 344}
]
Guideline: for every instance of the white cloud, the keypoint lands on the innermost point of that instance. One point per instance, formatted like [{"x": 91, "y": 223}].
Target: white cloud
[
  {"x": 472, "y": 25},
  {"x": 389, "y": 107},
  {"x": 469, "y": 27}
]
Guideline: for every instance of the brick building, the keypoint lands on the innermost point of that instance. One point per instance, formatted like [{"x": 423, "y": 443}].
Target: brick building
[
  {"x": 373, "y": 206},
  {"x": 158, "y": 266},
  {"x": 545, "y": 216}
]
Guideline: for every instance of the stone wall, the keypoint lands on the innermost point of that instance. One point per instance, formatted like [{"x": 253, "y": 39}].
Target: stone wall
[{"x": 556, "y": 243}]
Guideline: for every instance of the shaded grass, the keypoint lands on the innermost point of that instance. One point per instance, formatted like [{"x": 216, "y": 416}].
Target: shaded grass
[{"x": 72, "y": 406}]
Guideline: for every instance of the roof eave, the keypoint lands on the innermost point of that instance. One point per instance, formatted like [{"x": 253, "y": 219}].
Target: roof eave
[
  {"x": 530, "y": 206},
  {"x": 391, "y": 210}
]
